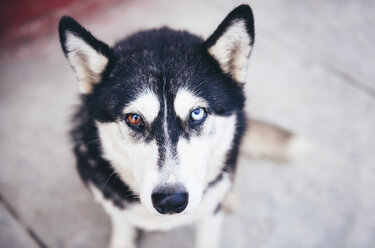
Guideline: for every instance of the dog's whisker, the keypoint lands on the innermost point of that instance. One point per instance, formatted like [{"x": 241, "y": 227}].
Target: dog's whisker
[{"x": 92, "y": 141}]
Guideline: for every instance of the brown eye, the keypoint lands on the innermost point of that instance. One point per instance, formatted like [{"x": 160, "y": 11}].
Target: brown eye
[{"x": 134, "y": 119}]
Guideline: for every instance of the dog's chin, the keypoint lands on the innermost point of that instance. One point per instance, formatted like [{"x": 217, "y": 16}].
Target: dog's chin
[{"x": 151, "y": 210}]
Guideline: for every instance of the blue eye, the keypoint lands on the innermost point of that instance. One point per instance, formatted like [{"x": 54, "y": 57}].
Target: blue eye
[{"x": 198, "y": 115}]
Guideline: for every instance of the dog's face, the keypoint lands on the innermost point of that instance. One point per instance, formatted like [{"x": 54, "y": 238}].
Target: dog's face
[{"x": 166, "y": 105}]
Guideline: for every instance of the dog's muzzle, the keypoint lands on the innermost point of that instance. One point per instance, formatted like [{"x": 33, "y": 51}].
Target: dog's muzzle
[{"x": 170, "y": 200}]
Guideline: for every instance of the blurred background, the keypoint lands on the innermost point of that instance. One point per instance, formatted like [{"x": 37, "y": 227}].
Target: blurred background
[{"x": 312, "y": 71}]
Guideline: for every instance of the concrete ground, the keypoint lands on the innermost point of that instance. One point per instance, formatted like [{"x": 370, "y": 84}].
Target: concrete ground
[{"x": 312, "y": 72}]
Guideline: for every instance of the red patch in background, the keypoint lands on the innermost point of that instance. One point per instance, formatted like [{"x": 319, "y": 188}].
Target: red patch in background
[{"x": 22, "y": 21}]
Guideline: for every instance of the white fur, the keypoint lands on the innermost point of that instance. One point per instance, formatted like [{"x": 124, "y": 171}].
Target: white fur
[
  {"x": 208, "y": 231},
  {"x": 135, "y": 162},
  {"x": 169, "y": 160},
  {"x": 186, "y": 101},
  {"x": 123, "y": 233},
  {"x": 232, "y": 50},
  {"x": 202, "y": 157},
  {"x": 146, "y": 104},
  {"x": 86, "y": 62}
]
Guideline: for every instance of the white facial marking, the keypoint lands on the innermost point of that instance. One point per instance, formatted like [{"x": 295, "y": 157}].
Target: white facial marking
[
  {"x": 167, "y": 143},
  {"x": 203, "y": 157},
  {"x": 134, "y": 162},
  {"x": 171, "y": 179},
  {"x": 146, "y": 104},
  {"x": 86, "y": 61},
  {"x": 186, "y": 101},
  {"x": 232, "y": 50}
]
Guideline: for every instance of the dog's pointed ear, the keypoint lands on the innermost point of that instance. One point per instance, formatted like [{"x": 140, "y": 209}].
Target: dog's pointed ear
[
  {"x": 88, "y": 56},
  {"x": 232, "y": 42}
]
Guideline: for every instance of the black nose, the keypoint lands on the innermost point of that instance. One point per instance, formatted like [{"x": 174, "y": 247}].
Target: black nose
[{"x": 170, "y": 203}]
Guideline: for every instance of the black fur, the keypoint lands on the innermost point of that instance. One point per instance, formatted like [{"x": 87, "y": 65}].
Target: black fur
[
  {"x": 162, "y": 60},
  {"x": 242, "y": 12},
  {"x": 92, "y": 167},
  {"x": 68, "y": 24}
]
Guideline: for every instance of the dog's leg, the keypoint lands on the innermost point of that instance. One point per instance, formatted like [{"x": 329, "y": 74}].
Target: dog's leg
[
  {"x": 208, "y": 231},
  {"x": 123, "y": 234}
]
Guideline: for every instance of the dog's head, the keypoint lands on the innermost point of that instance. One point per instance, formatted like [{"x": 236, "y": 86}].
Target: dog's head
[{"x": 167, "y": 105}]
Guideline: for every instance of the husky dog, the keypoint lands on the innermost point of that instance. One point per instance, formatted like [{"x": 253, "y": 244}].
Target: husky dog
[{"x": 158, "y": 132}]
